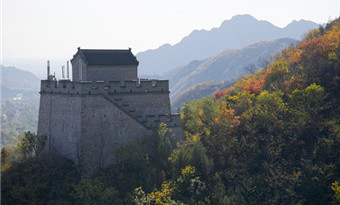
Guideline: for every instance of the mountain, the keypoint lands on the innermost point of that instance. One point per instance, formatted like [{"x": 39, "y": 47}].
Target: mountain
[
  {"x": 226, "y": 66},
  {"x": 199, "y": 91},
  {"x": 15, "y": 81},
  {"x": 19, "y": 103},
  {"x": 240, "y": 31}
]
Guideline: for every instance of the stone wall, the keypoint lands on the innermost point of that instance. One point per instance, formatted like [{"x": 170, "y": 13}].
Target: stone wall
[
  {"x": 60, "y": 121},
  {"x": 146, "y": 103},
  {"x": 104, "y": 128},
  {"x": 86, "y": 128},
  {"x": 86, "y": 121}
]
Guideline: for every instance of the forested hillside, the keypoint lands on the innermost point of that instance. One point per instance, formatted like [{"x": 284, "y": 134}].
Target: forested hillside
[
  {"x": 17, "y": 117},
  {"x": 272, "y": 138},
  {"x": 19, "y": 103}
]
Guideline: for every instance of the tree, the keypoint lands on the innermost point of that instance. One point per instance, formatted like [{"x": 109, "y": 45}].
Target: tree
[
  {"x": 189, "y": 187},
  {"x": 159, "y": 146},
  {"x": 156, "y": 197},
  {"x": 190, "y": 154},
  {"x": 219, "y": 94},
  {"x": 31, "y": 144},
  {"x": 253, "y": 85},
  {"x": 42, "y": 180},
  {"x": 250, "y": 69},
  {"x": 276, "y": 75},
  {"x": 265, "y": 62},
  {"x": 336, "y": 197}
]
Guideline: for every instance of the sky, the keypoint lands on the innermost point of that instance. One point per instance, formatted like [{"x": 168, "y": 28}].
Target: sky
[{"x": 33, "y": 31}]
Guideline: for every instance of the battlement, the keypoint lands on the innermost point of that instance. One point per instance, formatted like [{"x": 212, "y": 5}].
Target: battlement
[
  {"x": 138, "y": 86},
  {"x": 172, "y": 120}
]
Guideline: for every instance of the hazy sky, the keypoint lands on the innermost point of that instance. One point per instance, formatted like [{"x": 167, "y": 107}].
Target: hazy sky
[{"x": 43, "y": 29}]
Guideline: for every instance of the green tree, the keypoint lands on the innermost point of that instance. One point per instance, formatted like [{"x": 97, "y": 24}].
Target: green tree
[
  {"x": 190, "y": 154},
  {"x": 43, "y": 180},
  {"x": 336, "y": 197},
  {"x": 31, "y": 144},
  {"x": 189, "y": 187},
  {"x": 159, "y": 146},
  {"x": 93, "y": 191}
]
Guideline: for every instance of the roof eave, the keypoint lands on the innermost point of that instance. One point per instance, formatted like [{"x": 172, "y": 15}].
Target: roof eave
[{"x": 81, "y": 54}]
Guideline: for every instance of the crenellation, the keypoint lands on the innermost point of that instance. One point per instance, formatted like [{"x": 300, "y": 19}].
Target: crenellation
[{"x": 100, "y": 87}]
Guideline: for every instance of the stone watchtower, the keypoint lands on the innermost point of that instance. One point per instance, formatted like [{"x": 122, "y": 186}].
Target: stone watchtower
[{"x": 103, "y": 107}]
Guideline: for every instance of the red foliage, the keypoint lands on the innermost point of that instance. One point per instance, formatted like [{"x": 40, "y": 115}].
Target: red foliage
[{"x": 220, "y": 94}]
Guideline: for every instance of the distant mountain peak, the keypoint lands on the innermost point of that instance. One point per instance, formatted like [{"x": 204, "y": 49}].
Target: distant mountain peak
[
  {"x": 300, "y": 22},
  {"x": 243, "y": 17},
  {"x": 167, "y": 45},
  {"x": 239, "y": 19}
]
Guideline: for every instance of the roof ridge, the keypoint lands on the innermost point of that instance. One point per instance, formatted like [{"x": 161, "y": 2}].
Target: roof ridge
[
  {"x": 90, "y": 49},
  {"x": 107, "y": 56}
]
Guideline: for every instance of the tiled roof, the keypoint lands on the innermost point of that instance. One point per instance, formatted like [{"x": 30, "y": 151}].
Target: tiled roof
[{"x": 107, "y": 57}]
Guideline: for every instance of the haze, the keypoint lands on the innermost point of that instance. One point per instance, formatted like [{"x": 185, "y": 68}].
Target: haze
[{"x": 36, "y": 30}]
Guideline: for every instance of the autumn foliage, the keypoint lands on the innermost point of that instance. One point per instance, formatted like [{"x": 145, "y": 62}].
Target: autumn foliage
[
  {"x": 220, "y": 94},
  {"x": 253, "y": 85}
]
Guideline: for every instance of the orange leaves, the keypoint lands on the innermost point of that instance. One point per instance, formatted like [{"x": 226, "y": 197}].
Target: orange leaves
[
  {"x": 292, "y": 84},
  {"x": 236, "y": 121},
  {"x": 289, "y": 55},
  {"x": 227, "y": 112},
  {"x": 331, "y": 38},
  {"x": 225, "y": 116},
  {"x": 297, "y": 56},
  {"x": 312, "y": 49},
  {"x": 254, "y": 86},
  {"x": 218, "y": 120}
]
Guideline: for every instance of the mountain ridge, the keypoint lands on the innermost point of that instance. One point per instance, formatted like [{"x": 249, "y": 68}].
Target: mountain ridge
[
  {"x": 199, "y": 91},
  {"x": 226, "y": 66},
  {"x": 239, "y": 31},
  {"x": 15, "y": 81}
]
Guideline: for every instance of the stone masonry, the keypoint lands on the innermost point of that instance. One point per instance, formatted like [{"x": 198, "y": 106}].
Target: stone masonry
[{"x": 103, "y": 107}]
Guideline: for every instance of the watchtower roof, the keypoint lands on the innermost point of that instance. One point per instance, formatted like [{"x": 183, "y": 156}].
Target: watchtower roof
[{"x": 107, "y": 57}]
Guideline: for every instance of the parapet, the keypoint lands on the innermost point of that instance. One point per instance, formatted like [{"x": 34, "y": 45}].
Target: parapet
[{"x": 99, "y": 87}]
